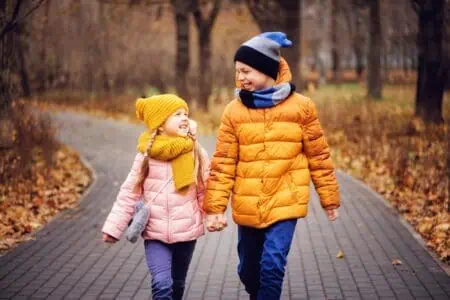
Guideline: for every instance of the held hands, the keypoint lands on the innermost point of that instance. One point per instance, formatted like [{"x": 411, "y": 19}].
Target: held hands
[
  {"x": 332, "y": 214},
  {"x": 109, "y": 239},
  {"x": 216, "y": 222}
]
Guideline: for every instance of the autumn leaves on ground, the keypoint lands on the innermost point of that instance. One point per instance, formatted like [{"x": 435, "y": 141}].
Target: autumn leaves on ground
[
  {"x": 39, "y": 176},
  {"x": 404, "y": 160},
  {"x": 378, "y": 142}
]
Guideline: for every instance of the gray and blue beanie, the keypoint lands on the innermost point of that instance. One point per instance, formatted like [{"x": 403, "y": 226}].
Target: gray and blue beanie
[{"x": 262, "y": 52}]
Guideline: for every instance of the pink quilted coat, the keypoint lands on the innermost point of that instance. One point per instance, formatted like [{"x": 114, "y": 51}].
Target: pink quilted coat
[{"x": 174, "y": 217}]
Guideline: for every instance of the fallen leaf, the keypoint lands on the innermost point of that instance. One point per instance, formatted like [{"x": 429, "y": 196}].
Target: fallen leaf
[
  {"x": 443, "y": 227},
  {"x": 37, "y": 201},
  {"x": 340, "y": 254},
  {"x": 35, "y": 225},
  {"x": 425, "y": 227},
  {"x": 27, "y": 228}
]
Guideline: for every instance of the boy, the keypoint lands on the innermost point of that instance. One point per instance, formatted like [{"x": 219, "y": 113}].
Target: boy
[{"x": 270, "y": 144}]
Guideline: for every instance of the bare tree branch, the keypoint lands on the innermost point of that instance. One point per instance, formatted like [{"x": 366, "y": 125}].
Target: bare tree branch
[
  {"x": 214, "y": 13},
  {"x": 40, "y": 2},
  {"x": 265, "y": 13},
  {"x": 11, "y": 24},
  {"x": 349, "y": 20},
  {"x": 197, "y": 14},
  {"x": 134, "y": 2},
  {"x": 416, "y": 5},
  {"x": 207, "y": 22}
]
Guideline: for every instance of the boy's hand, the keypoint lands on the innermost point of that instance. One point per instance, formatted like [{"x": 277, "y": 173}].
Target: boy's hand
[
  {"x": 332, "y": 214},
  {"x": 109, "y": 239},
  {"x": 216, "y": 222}
]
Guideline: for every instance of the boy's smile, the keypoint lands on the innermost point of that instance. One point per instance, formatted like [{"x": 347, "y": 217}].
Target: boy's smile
[{"x": 251, "y": 79}]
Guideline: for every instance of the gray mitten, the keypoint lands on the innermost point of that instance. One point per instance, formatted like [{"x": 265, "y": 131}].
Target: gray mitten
[{"x": 138, "y": 223}]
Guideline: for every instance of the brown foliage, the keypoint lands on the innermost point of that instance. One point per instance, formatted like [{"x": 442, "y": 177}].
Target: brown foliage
[
  {"x": 39, "y": 177},
  {"x": 23, "y": 132},
  {"x": 399, "y": 156},
  {"x": 28, "y": 203}
]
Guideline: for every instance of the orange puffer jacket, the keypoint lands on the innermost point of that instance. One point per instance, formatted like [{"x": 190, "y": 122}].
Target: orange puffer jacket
[{"x": 266, "y": 157}]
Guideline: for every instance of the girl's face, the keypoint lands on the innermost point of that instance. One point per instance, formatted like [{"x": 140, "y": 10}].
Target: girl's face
[
  {"x": 177, "y": 124},
  {"x": 251, "y": 79}
]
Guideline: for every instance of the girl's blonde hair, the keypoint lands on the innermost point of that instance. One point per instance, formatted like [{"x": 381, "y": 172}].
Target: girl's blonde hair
[{"x": 200, "y": 164}]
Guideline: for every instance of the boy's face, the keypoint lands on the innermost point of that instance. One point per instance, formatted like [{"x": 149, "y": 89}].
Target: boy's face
[
  {"x": 177, "y": 124},
  {"x": 251, "y": 79}
]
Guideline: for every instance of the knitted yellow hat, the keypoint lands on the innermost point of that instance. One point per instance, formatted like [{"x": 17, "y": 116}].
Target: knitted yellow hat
[{"x": 155, "y": 110}]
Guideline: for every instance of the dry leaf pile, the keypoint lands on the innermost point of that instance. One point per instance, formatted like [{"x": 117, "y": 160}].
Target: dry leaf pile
[
  {"x": 400, "y": 157},
  {"x": 29, "y": 202},
  {"x": 38, "y": 176}
]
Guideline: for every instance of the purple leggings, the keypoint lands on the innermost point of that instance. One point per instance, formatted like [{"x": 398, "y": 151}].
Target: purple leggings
[{"x": 168, "y": 266}]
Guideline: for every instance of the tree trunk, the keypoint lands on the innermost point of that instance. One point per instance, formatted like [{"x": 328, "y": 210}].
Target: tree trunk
[
  {"x": 181, "y": 8},
  {"x": 385, "y": 66},
  {"x": 43, "y": 55},
  {"x": 433, "y": 61},
  {"x": 374, "y": 83},
  {"x": 89, "y": 46},
  {"x": 334, "y": 47},
  {"x": 24, "y": 78},
  {"x": 5, "y": 61},
  {"x": 322, "y": 20},
  {"x": 204, "y": 27},
  {"x": 205, "y": 68},
  {"x": 359, "y": 60},
  {"x": 103, "y": 18},
  {"x": 359, "y": 42},
  {"x": 267, "y": 14},
  {"x": 405, "y": 47},
  {"x": 292, "y": 28},
  {"x": 281, "y": 16}
]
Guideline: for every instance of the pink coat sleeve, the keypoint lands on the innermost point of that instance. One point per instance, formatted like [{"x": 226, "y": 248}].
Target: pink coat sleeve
[{"x": 124, "y": 206}]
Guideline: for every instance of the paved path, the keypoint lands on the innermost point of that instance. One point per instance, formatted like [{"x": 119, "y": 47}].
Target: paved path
[{"x": 68, "y": 260}]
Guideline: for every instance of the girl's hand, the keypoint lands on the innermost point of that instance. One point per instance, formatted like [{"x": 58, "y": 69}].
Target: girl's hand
[
  {"x": 192, "y": 129},
  {"x": 216, "y": 222},
  {"x": 332, "y": 214},
  {"x": 109, "y": 239}
]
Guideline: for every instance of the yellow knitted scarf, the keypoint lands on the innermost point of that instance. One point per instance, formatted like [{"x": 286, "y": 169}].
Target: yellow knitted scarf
[{"x": 177, "y": 150}]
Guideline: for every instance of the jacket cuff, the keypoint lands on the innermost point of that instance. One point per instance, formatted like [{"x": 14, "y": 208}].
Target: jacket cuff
[
  {"x": 332, "y": 206},
  {"x": 112, "y": 230}
]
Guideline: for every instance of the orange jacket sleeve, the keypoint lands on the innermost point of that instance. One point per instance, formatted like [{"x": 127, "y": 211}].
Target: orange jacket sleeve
[
  {"x": 223, "y": 167},
  {"x": 319, "y": 160}
]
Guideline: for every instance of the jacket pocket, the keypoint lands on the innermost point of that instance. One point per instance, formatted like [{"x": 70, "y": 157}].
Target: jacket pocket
[{"x": 300, "y": 194}]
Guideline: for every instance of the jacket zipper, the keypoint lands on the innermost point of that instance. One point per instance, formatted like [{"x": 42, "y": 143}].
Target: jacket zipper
[{"x": 264, "y": 153}]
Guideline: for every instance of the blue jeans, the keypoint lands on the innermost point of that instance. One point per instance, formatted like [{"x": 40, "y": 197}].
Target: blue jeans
[
  {"x": 262, "y": 258},
  {"x": 168, "y": 266}
]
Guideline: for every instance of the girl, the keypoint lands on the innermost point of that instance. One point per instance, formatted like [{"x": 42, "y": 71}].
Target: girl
[
  {"x": 170, "y": 169},
  {"x": 270, "y": 144}
]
